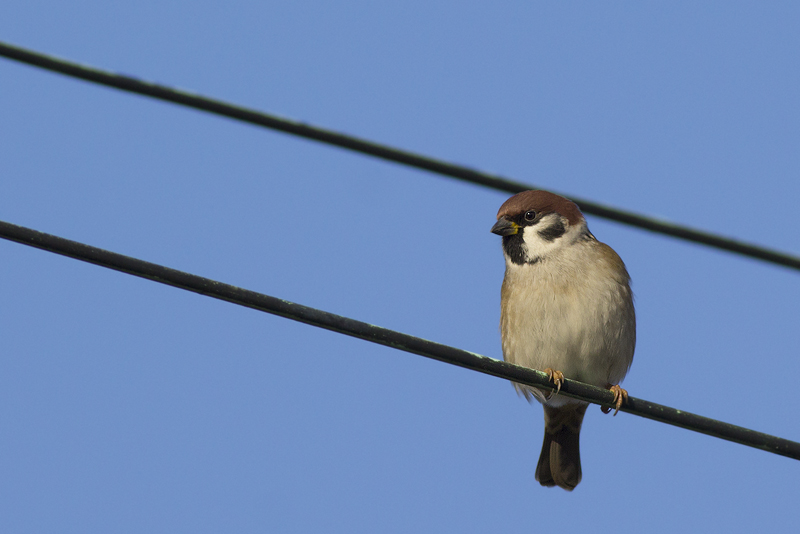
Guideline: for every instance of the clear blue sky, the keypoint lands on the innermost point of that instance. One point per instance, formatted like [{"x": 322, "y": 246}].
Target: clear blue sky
[{"x": 127, "y": 406}]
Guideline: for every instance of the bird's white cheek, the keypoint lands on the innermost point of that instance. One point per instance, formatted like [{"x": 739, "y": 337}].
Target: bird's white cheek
[{"x": 535, "y": 246}]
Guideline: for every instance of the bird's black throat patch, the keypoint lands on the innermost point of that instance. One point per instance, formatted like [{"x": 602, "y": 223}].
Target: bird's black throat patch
[{"x": 514, "y": 247}]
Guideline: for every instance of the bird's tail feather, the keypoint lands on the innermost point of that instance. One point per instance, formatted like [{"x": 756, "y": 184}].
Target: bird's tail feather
[{"x": 560, "y": 460}]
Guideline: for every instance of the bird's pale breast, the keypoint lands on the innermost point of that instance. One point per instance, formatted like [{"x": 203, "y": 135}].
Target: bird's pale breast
[{"x": 577, "y": 318}]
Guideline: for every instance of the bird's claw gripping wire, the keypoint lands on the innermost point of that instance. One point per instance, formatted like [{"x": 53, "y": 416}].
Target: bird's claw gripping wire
[
  {"x": 620, "y": 398},
  {"x": 557, "y": 378}
]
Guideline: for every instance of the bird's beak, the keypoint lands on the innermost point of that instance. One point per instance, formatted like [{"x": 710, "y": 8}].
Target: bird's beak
[{"x": 505, "y": 227}]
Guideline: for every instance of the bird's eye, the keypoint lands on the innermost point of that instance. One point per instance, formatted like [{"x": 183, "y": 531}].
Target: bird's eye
[{"x": 530, "y": 215}]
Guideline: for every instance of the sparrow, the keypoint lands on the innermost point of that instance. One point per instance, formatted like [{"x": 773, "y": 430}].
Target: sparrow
[{"x": 566, "y": 308}]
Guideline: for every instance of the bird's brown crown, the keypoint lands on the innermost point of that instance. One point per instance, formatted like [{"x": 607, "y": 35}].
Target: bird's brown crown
[{"x": 542, "y": 202}]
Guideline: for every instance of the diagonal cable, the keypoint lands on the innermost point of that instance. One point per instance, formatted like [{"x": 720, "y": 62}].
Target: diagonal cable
[
  {"x": 134, "y": 85},
  {"x": 392, "y": 339}
]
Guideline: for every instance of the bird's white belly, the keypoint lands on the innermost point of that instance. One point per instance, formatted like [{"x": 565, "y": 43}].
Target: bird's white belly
[{"x": 584, "y": 330}]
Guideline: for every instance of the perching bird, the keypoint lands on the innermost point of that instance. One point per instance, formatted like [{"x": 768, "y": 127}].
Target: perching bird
[{"x": 567, "y": 310}]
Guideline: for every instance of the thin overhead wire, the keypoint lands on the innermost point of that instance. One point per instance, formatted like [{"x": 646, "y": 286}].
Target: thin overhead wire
[
  {"x": 134, "y": 85},
  {"x": 392, "y": 339}
]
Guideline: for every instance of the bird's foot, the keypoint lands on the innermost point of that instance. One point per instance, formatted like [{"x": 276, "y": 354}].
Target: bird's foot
[
  {"x": 557, "y": 378},
  {"x": 620, "y": 397}
]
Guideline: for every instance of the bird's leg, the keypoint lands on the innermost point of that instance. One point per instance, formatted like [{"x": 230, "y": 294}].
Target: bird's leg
[
  {"x": 620, "y": 397},
  {"x": 557, "y": 378}
]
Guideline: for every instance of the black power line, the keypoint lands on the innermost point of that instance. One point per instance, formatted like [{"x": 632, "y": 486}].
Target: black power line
[
  {"x": 134, "y": 85},
  {"x": 390, "y": 338}
]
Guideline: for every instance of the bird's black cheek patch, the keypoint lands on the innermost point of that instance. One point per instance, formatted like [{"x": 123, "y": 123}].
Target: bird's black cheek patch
[
  {"x": 551, "y": 233},
  {"x": 513, "y": 245}
]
